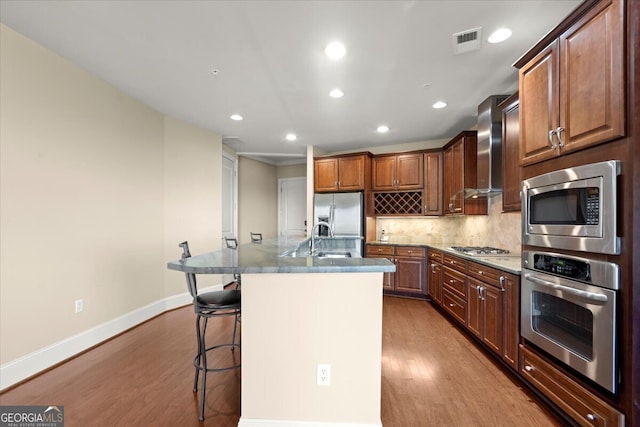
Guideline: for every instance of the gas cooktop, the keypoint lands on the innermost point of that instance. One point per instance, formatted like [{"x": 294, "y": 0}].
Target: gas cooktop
[{"x": 480, "y": 250}]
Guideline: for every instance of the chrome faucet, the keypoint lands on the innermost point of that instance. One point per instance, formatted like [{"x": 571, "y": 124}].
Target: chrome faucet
[{"x": 313, "y": 231}]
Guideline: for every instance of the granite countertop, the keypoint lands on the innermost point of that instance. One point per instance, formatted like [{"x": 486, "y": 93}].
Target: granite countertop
[
  {"x": 266, "y": 257},
  {"x": 511, "y": 263}
]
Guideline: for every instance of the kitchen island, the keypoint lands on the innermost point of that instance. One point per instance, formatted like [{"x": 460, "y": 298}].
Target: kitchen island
[{"x": 299, "y": 312}]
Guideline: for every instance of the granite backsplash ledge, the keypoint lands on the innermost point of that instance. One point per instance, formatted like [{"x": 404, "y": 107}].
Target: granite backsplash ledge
[{"x": 497, "y": 229}]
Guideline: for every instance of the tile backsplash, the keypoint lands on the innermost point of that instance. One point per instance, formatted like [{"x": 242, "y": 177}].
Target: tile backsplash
[{"x": 496, "y": 229}]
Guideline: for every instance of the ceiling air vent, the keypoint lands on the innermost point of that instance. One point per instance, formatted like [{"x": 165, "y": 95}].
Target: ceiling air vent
[{"x": 467, "y": 41}]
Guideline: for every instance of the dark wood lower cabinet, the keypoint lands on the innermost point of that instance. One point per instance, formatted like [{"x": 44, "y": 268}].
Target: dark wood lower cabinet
[
  {"x": 578, "y": 402},
  {"x": 410, "y": 278},
  {"x": 511, "y": 319},
  {"x": 484, "y": 314},
  {"x": 383, "y": 251},
  {"x": 410, "y": 275}
]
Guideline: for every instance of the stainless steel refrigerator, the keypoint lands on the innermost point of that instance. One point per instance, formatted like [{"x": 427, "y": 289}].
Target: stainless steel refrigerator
[{"x": 344, "y": 211}]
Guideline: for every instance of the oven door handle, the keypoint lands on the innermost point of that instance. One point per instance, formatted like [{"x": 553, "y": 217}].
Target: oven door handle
[{"x": 584, "y": 294}]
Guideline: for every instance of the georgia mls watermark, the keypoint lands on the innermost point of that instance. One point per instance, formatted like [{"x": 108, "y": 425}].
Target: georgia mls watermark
[{"x": 31, "y": 416}]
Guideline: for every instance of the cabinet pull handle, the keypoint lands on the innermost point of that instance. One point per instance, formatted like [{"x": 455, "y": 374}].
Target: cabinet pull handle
[
  {"x": 502, "y": 283},
  {"x": 591, "y": 417},
  {"x": 528, "y": 368},
  {"x": 551, "y": 144},
  {"x": 559, "y": 130}
]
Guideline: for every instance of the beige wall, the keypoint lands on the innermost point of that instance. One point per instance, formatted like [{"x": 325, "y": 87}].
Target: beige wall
[
  {"x": 192, "y": 188},
  {"x": 257, "y": 199},
  {"x": 292, "y": 171},
  {"x": 96, "y": 190}
]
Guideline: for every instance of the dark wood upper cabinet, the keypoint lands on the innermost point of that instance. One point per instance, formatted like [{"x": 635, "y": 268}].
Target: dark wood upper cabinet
[
  {"x": 341, "y": 173},
  {"x": 574, "y": 89},
  {"x": 433, "y": 174},
  {"x": 460, "y": 172},
  {"x": 397, "y": 172},
  {"x": 511, "y": 171}
]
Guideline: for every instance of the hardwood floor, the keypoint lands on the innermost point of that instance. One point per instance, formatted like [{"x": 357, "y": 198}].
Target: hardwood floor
[{"x": 432, "y": 375}]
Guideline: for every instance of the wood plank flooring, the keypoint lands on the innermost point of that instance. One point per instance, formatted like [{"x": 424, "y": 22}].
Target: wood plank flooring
[{"x": 432, "y": 375}]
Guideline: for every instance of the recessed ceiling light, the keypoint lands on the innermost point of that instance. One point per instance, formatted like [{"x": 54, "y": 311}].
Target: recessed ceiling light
[
  {"x": 439, "y": 104},
  {"x": 335, "y": 50},
  {"x": 336, "y": 93},
  {"x": 499, "y": 35},
  {"x": 291, "y": 137},
  {"x": 236, "y": 117},
  {"x": 383, "y": 129}
]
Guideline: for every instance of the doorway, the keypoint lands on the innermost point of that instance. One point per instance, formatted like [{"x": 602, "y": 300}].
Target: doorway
[{"x": 292, "y": 207}]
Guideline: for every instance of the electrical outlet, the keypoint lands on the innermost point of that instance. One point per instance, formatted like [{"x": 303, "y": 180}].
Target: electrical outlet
[
  {"x": 324, "y": 374},
  {"x": 79, "y": 305}
]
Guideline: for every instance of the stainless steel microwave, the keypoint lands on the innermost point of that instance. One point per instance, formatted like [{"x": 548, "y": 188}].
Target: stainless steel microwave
[{"x": 574, "y": 209}]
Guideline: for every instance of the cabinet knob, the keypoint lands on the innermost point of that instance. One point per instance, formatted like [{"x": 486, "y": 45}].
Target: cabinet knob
[
  {"x": 528, "y": 368},
  {"x": 452, "y": 305},
  {"x": 481, "y": 272},
  {"x": 591, "y": 417},
  {"x": 452, "y": 281}
]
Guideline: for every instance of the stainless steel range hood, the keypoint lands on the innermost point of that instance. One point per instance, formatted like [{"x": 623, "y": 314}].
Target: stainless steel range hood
[{"x": 489, "y": 160}]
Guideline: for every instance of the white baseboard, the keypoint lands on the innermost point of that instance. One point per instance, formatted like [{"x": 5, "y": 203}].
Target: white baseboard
[
  {"x": 26, "y": 366},
  {"x": 253, "y": 422}
]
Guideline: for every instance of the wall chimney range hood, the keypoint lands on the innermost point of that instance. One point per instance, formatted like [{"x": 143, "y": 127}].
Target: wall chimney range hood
[{"x": 489, "y": 157}]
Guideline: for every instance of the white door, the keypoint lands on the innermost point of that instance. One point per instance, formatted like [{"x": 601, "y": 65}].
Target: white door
[
  {"x": 292, "y": 206},
  {"x": 229, "y": 202}
]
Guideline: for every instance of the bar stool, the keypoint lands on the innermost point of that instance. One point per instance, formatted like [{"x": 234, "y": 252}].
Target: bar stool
[
  {"x": 255, "y": 237},
  {"x": 210, "y": 305},
  {"x": 232, "y": 243}
]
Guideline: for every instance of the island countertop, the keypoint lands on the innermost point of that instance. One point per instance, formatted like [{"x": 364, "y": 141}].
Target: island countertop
[{"x": 266, "y": 257}]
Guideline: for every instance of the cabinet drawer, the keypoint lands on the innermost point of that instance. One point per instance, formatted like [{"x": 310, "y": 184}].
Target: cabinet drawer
[
  {"x": 454, "y": 305},
  {"x": 410, "y": 251},
  {"x": 454, "y": 262},
  {"x": 435, "y": 256},
  {"x": 583, "y": 406},
  {"x": 379, "y": 250},
  {"x": 455, "y": 282},
  {"x": 486, "y": 274}
]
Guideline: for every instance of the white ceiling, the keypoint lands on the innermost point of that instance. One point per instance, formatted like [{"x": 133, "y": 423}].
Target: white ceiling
[{"x": 272, "y": 69}]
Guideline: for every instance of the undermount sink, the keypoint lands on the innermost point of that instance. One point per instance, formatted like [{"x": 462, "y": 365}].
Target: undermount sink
[
  {"x": 340, "y": 247},
  {"x": 333, "y": 254}
]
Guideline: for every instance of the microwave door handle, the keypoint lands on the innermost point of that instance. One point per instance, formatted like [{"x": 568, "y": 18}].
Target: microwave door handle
[{"x": 583, "y": 294}]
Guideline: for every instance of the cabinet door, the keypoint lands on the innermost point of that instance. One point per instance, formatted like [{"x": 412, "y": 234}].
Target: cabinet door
[
  {"x": 539, "y": 87},
  {"x": 454, "y": 177},
  {"x": 434, "y": 283},
  {"x": 351, "y": 173},
  {"x": 433, "y": 175},
  {"x": 474, "y": 308},
  {"x": 383, "y": 251},
  {"x": 511, "y": 322},
  {"x": 384, "y": 172},
  {"x": 326, "y": 175},
  {"x": 492, "y": 318},
  {"x": 409, "y": 171},
  {"x": 592, "y": 84},
  {"x": 410, "y": 275},
  {"x": 511, "y": 175}
]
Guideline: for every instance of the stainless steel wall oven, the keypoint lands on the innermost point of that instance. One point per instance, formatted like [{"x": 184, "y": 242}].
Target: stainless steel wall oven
[{"x": 569, "y": 310}]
